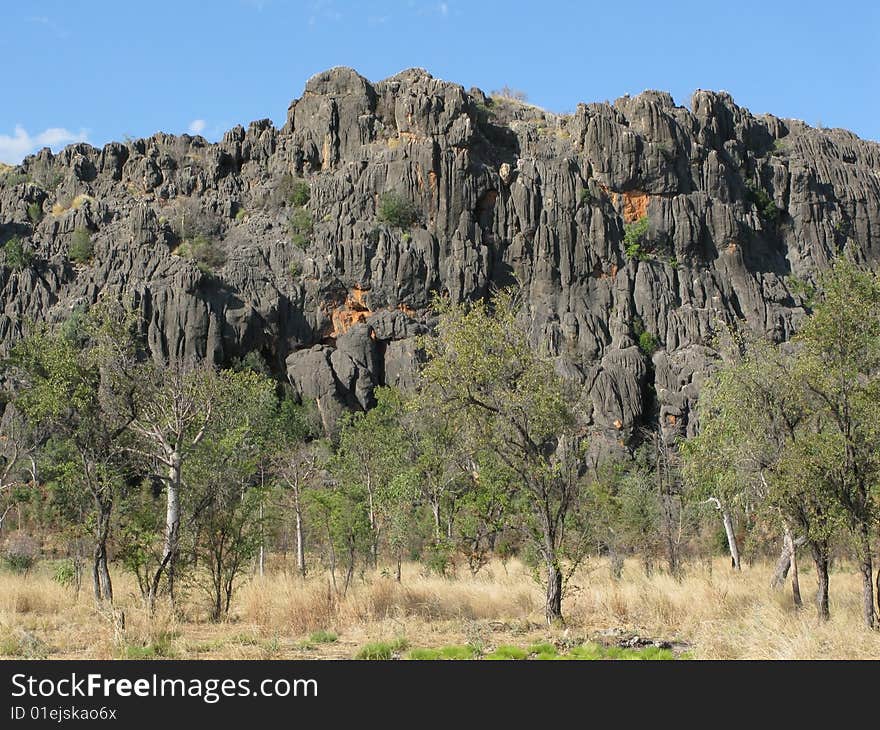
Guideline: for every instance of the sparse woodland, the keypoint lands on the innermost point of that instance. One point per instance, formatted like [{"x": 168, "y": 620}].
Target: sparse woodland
[{"x": 216, "y": 495}]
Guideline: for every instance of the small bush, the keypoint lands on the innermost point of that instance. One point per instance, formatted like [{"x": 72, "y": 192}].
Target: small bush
[
  {"x": 206, "y": 254},
  {"x": 67, "y": 573},
  {"x": 35, "y": 213},
  {"x": 323, "y": 637},
  {"x": 397, "y": 210},
  {"x": 647, "y": 341},
  {"x": 635, "y": 238},
  {"x": 301, "y": 227},
  {"x": 240, "y": 215},
  {"x": 15, "y": 178},
  {"x": 81, "y": 249},
  {"x": 21, "y": 554},
  {"x": 290, "y": 190},
  {"x": 763, "y": 202},
  {"x": 18, "y": 255},
  {"x": 295, "y": 269},
  {"x": 300, "y": 193},
  {"x": 159, "y": 649}
]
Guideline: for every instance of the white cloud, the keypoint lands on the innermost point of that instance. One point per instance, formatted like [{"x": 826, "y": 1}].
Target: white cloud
[
  {"x": 14, "y": 148},
  {"x": 197, "y": 126},
  {"x": 444, "y": 9}
]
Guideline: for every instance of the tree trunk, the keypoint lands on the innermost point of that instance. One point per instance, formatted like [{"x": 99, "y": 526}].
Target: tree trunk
[
  {"x": 262, "y": 544},
  {"x": 398, "y": 567},
  {"x": 866, "y": 568},
  {"x": 553, "y": 603},
  {"x": 820, "y": 558},
  {"x": 731, "y": 539},
  {"x": 300, "y": 545},
  {"x": 435, "y": 510},
  {"x": 374, "y": 533},
  {"x": 791, "y": 548},
  {"x": 103, "y": 586},
  {"x": 172, "y": 534}
]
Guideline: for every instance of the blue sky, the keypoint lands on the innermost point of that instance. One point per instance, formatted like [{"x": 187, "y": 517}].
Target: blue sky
[{"x": 99, "y": 70}]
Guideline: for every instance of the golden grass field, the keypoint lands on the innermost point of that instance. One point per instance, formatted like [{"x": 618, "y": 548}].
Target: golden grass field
[{"x": 712, "y": 613}]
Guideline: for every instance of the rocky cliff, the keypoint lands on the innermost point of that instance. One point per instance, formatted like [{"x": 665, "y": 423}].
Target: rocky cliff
[{"x": 636, "y": 228}]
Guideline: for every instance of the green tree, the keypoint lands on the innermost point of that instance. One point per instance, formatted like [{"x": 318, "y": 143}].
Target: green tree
[
  {"x": 368, "y": 457},
  {"x": 759, "y": 446},
  {"x": 79, "y": 390},
  {"x": 838, "y": 363},
  {"x": 511, "y": 401},
  {"x": 225, "y": 494},
  {"x": 184, "y": 412}
]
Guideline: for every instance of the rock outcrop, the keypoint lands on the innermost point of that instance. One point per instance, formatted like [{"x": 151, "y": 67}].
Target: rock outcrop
[{"x": 633, "y": 218}]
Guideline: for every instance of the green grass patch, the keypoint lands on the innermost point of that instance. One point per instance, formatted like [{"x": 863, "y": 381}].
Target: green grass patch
[
  {"x": 322, "y": 637},
  {"x": 424, "y": 655},
  {"x": 544, "y": 647},
  {"x": 508, "y": 652},
  {"x": 459, "y": 651},
  {"x": 382, "y": 650}
]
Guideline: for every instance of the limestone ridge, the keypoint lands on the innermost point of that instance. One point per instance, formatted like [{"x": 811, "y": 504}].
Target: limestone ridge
[{"x": 734, "y": 205}]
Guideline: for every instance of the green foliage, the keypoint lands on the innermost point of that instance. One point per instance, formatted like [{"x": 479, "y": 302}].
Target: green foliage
[
  {"x": 761, "y": 199},
  {"x": 35, "y": 213},
  {"x": 509, "y": 399},
  {"x": 453, "y": 652},
  {"x": 424, "y": 655},
  {"x": 81, "y": 249},
  {"x": 240, "y": 215},
  {"x": 204, "y": 253},
  {"x": 635, "y": 239},
  {"x": 253, "y": 361},
  {"x": 323, "y": 637},
  {"x": 794, "y": 430},
  {"x": 295, "y": 269},
  {"x": 300, "y": 193},
  {"x": 21, "y": 554},
  {"x": 66, "y": 572},
  {"x": 11, "y": 179},
  {"x": 507, "y": 652},
  {"x": 291, "y": 190},
  {"x": 397, "y": 210},
  {"x": 18, "y": 254},
  {"x": 485, "y": 114},
  {"x": 586, "y": 197},
  {"x": 647, "y": 341},
  {"x": 382, "y": 650},
  {"x": 301, "y": 227},
  {"x": 159, "y": 648},
  {"x": 544, "y": 648}
]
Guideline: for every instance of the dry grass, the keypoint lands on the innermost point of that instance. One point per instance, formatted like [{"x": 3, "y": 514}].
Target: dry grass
[
  {"x": 62, "y": 206},
  {"x": 720, "y": 614}
]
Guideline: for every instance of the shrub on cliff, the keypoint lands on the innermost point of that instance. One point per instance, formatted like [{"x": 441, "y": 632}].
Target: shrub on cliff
[
  {"x": 397, "y": 210},
  {"x": 81, "y": 249},
  {"x": 18, "y": 255}
]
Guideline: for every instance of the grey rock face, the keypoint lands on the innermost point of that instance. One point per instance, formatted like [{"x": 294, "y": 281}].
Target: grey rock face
[{"x": 736, "y": 205}]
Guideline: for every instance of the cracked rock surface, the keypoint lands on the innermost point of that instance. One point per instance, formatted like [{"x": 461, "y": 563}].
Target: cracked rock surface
[{"x": 729, "y": 208}]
